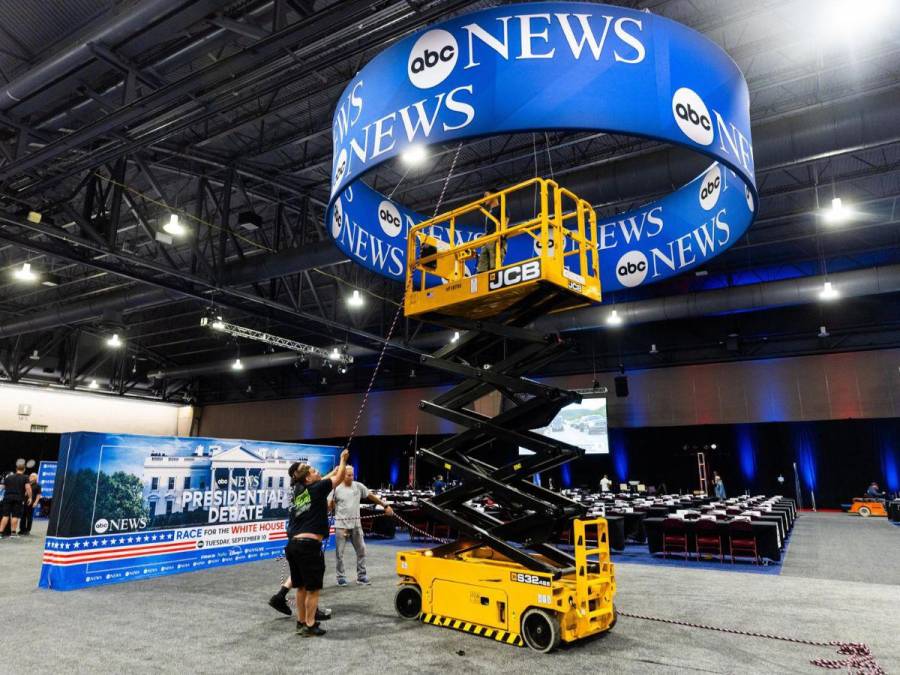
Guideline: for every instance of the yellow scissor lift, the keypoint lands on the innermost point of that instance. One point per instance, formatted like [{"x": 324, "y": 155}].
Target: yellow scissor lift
[{"x": 502, "y": 578}]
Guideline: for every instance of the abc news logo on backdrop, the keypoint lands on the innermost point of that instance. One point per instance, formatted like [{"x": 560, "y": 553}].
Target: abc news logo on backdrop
[
  {"x": 102, "y": 526},
  {"x": 692, "y": 116},
  {"x": 432, "y": 58},
  {"x": 389, "y": 218},
  {"x": 631, "y": 270},
  {"x": 710, "y": 188}
]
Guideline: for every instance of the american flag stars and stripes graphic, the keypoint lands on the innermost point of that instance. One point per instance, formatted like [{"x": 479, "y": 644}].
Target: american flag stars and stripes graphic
[{"x": 81, "y": 550}]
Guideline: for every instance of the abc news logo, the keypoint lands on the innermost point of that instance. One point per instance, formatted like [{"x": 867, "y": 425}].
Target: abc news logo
[
  {"x": 710, "y": 188},
  {"x": 337, "y": 218},
  {"x": 389, "y": 218},
  {"x": 692, "y": 116},
  {"x": 631, "y": 270},
  {"x": 102, "y": 526},
  {"x": 432, "y": 58}
]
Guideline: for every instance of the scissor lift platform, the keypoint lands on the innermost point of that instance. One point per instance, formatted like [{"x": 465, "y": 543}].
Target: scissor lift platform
[
  {"x": 503, "y": 578},
  {"x": 442, "y": 278}
]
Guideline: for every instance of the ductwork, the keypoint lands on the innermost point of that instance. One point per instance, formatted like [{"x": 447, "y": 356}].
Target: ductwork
[
  {"x": 753, "y": 297},
  {"x": 131, "y": 18},
  {"x": 259, "y": 268}
]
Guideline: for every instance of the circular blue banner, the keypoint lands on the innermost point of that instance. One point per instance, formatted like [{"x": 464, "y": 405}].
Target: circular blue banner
[{"x": 552, "y": 66}]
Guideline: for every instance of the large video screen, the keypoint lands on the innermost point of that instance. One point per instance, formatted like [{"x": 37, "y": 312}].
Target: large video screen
[{"x": 581, "y": 424}]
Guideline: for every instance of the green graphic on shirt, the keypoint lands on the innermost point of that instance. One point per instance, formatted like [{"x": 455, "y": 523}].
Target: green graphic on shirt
[{"x": 301, "y": 503}]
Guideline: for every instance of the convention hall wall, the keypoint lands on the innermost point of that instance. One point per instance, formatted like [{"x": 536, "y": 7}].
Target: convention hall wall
[
  {"x": 23, "y": 408},
  {"x": 852, "y": 385}
]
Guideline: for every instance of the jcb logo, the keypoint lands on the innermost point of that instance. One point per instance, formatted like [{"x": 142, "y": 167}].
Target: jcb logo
[
  {"x": 516, "y": 274},
  {"x": 710, "y": 188},
  {"x": 389, "y": 218},
  {"x": 631, "y": 270},
  {"x": 692, "y": 116},
  {"x": 523, "y": 578},
  {"x": 432, "y": 58}
]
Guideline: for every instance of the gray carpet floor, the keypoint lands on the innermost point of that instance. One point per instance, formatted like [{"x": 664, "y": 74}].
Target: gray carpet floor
[{"x": 217, "y": 621}]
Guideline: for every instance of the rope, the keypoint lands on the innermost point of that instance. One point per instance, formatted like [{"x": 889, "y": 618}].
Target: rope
[{"x": 861, "y": 661}]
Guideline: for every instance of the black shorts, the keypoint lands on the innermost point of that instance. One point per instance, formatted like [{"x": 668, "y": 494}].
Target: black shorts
[
  {"x": 307, "y": 563},
  {"x": 10, "y": 508}
]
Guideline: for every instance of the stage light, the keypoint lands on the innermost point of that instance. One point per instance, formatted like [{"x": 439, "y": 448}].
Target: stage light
[
  {"x": 414, "y": 155},
  {"x": 843, "y": 19},
  {"x": 455, "y": 337},
  {"x": 35, "y": 355},
  {"x": 335, "y": 354},
  {"x": 356, "y": 300},
  {"x": 218, "y": 324},
  {"x": 614, "y": 319},
  {"x": 713, "y": 446},
  {"x": 653, "y": 349},
  {"x": 829, "y": 292},
  {"x": 838, "y": 213},
  {"x": 173, "y": 227},
  {"x": 237, "y": 365},
  {"x": 114, "y": 341},
  {"x": 93, "y": 384},
  {"x": 25, "y": 274}
]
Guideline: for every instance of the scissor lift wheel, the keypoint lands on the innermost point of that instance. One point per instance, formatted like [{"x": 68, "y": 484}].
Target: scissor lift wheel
[
  {"x": 864, "y": 511},
  {"x": 408, "y": 601},
  {"x": 540, "y": 630}
]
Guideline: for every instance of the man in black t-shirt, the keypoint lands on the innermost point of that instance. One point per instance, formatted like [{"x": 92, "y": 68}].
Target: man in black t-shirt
[
  {"x": 28, "y": 508},
  {"x": 17, "y": 494},
  {"x": 307, "y": 528}
]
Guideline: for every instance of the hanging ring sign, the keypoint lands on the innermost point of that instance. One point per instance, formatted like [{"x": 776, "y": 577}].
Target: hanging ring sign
[{"x": 545, "y": 66}]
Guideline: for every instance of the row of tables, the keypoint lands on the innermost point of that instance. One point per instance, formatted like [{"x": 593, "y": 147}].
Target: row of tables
[{"x": 634, "y": 518}]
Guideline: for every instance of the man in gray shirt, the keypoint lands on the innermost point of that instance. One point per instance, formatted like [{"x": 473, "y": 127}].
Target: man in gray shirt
[{"x": 345, "y": 500}]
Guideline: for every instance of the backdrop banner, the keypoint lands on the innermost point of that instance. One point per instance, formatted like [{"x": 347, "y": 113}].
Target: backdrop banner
[
  {"x": 131, "y": 507},
  {"x": 535, "y": 67}
]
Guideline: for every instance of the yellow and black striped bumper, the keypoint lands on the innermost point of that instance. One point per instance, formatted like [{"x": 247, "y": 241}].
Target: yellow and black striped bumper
[{"x": 457, "y": 624}]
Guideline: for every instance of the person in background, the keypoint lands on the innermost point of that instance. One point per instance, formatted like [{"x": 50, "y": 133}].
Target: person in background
[
  {"x": 874, "y": 491},
  {"x": 344, "y": 501},
  {"x": 487, "y": 255},
  {"x": 605, "y": 482},
  {"x": 439, "y": 485},
  {"x": 17, "y": 492},
  {"x": 28, "y": 508},
  {"x": 719, "y": 485},
  {"x": 307, "y": 528}
]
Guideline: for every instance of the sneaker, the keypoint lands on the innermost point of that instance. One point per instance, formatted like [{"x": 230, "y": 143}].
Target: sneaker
[
  {"x": 279, "y": 603},
  {"x": 342, "y": 582},
  {"x": 14, "y": 535},
  {"x": 364, "y": 581},
  {"x": 322, "y": 614},
  {"x": 310, "y": 631}
]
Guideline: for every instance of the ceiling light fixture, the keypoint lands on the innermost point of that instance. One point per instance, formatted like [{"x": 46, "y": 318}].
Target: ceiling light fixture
[
  {"x": 93, "y": 384},
  {"x": 614, "y": 319},
  {"x": 356, "y": 300},
  {"x": 237, "y": 365},
  {"x": 414, "y": 155},
  {"x": 829, "y": 292},
  {"x": 335, "y": 354},
  {"x": 823, "y": 332},
  {"x": 35, "y": 355},
  {"x": 218, "y": 324},
  {"x": 24, "y": 273},
  {"x": 114, "y": 341},
  {"x": 653, "y": 349},
  {"x": 455, "y": 337},
  {"x": 174, "y": 227},
  {"x": 838, "y": 213}
]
